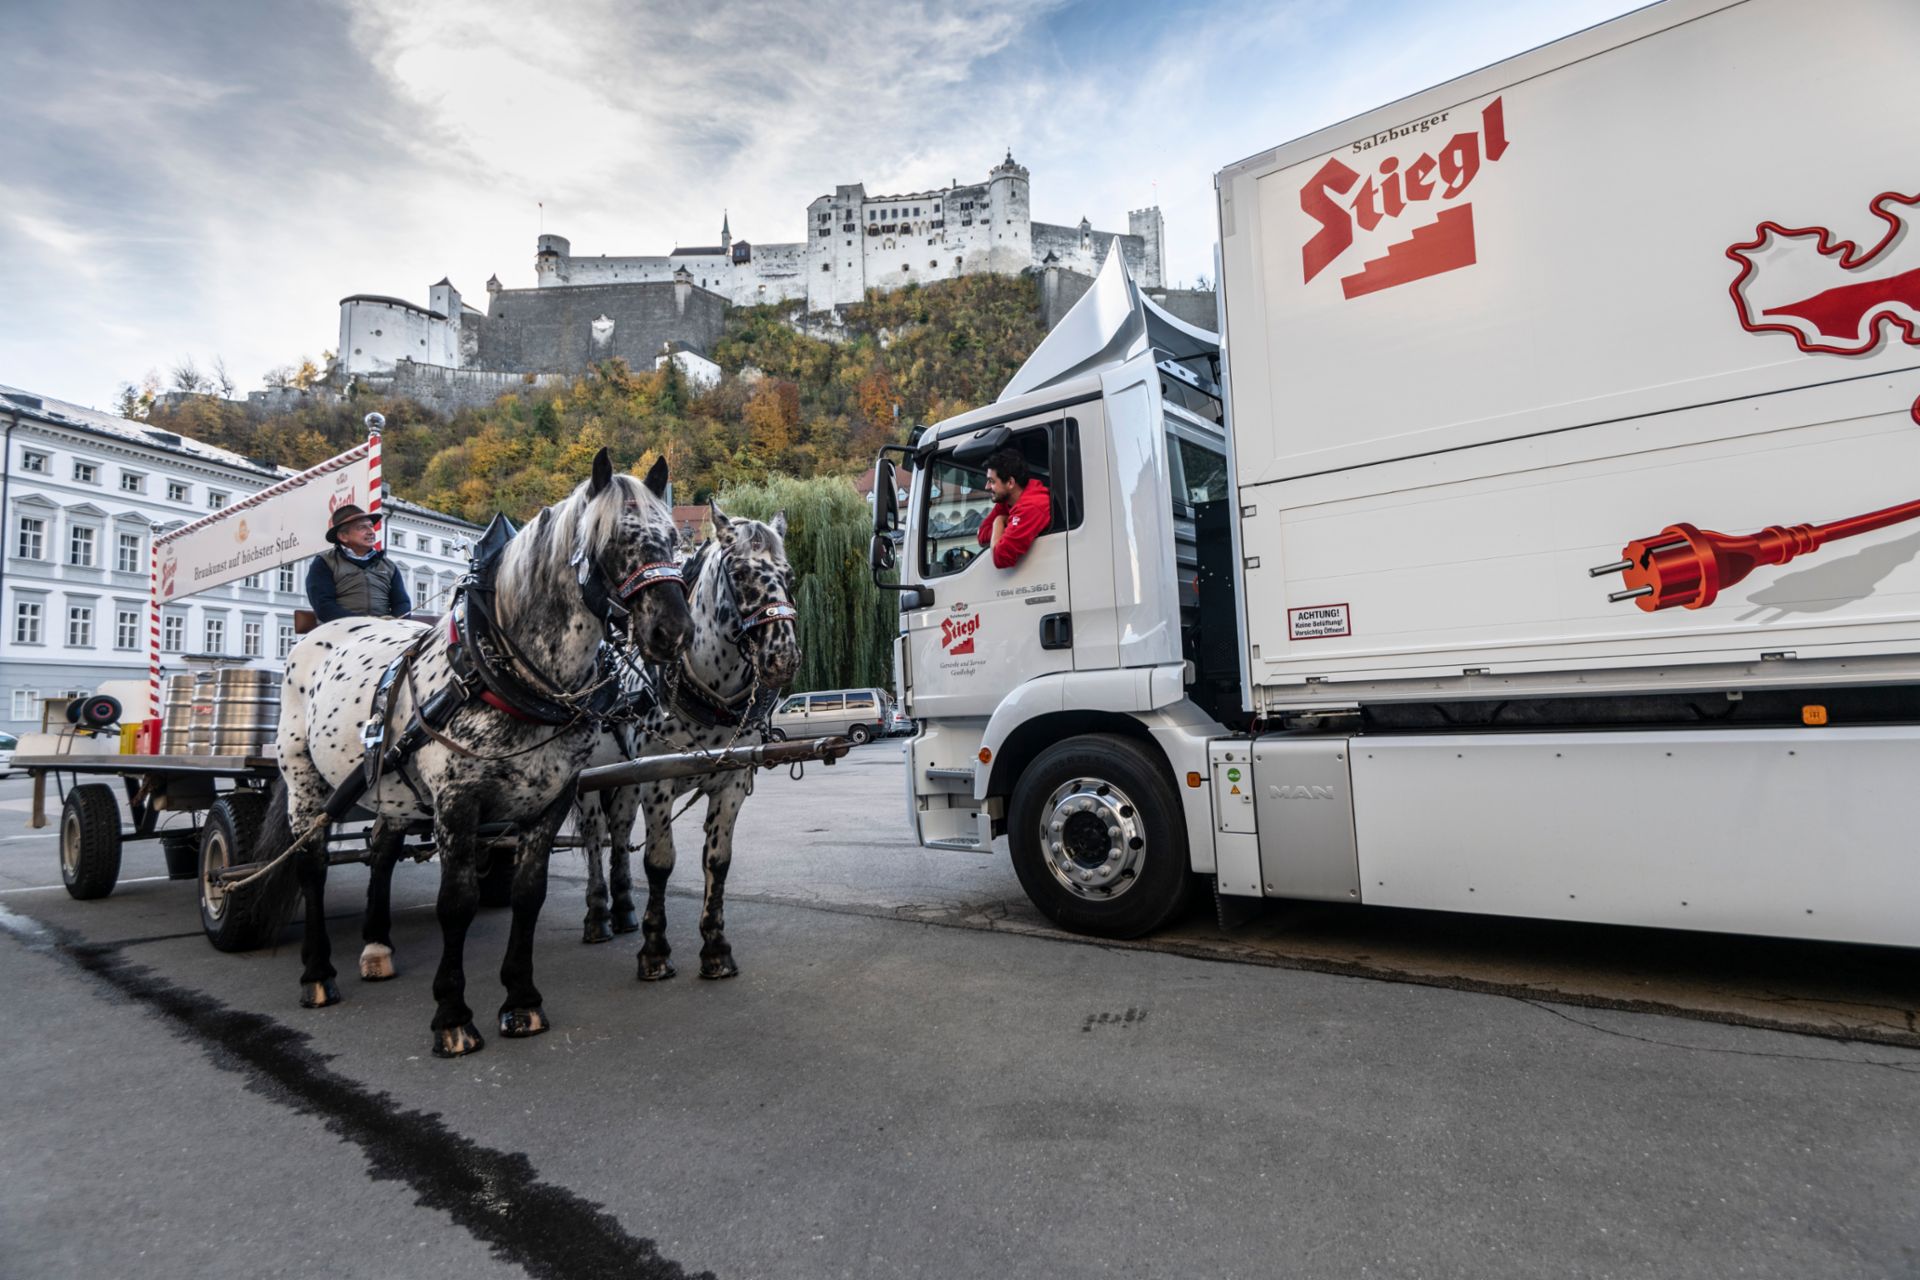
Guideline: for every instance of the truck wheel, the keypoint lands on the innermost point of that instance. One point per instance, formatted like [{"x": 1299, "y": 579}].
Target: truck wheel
[
  {"x": 1098, "y": 838},
  {"x": 859, "y": 735},
  {"x": 90, "y": 841},
  {"x": 228, "y": 837}
]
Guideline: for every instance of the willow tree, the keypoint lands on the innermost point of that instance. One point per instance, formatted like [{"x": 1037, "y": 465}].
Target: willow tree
[{"x": 847, "y": 627}]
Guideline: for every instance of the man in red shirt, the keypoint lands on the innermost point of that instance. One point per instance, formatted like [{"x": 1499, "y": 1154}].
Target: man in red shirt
[{"x": 1022, "y": 508}]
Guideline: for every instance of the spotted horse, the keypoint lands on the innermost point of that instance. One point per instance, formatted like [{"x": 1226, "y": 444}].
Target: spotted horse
[
  {"x": 498, "y": 707},
  {"x": 745, "y": 650}
]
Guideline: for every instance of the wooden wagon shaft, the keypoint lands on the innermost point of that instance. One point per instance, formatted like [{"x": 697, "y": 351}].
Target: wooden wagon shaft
[{"x": 688, "y": 764}]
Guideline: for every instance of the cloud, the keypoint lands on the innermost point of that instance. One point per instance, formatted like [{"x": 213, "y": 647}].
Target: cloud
[{"x": 205, "y": 178}]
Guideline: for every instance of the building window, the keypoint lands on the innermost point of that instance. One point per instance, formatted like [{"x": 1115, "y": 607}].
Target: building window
[
  {"x": 86, "y": 473},
  {"x": 251, "y": 580},
  {"x": 132, "y": 482},
  {"x": 216, "y": 635},
  {"x": 446, "y": 547},
  {"x": 284, "y": 579},
  {"x": 26, "y": 622},
  {"x": 31, "y": 461},
  {"x": 177, "y": 491},
  {"x": 215, "y": 499},
  {"x": 32, "y": 544},
  {"x": 26, "y": 704},
  {"x": 126, "y": 557},
  {"x": 80, "y": 626},
  {"x": 286, "y": 640},
  {"x": 126, "y": 629},
  {"x": 422, "y": 591},
  {"x": 173, "y": 632},
  {"x": 80, "y": 547},
  {"x": 826, "y": 266},
  {"x": 250, "y": 639}
]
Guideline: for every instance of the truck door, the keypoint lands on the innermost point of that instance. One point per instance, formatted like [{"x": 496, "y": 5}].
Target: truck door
[{"x": 990, "y": 629}]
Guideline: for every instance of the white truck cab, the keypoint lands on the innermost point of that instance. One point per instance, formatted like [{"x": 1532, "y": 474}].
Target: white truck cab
[{"x": 1444, "y": 577}]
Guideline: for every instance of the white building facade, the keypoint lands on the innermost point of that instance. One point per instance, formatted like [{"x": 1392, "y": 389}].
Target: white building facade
[{"x": 83, "y": 495}]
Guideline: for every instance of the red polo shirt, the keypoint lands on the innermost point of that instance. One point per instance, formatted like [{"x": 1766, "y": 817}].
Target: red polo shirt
[{"x": 1032, "y": 512}]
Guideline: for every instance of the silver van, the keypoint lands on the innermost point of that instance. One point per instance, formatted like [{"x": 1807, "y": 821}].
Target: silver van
[{"x": 859, "y": 714}]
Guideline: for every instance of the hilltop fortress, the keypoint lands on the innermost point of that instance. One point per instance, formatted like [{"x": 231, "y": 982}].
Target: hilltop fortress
[{"x": 584, "y": 309}]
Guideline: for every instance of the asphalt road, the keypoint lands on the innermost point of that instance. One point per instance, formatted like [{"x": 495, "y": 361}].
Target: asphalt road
[{"x": 914, "y": 1076}]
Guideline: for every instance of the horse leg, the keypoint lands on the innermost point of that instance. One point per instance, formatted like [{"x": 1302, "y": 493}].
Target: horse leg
[
  {"x": 716, "y": 956},
  {"x": 376, "y": 931},
  {"x": 590, "y": 820},
  {"x": 658, "y": 807},
  {"x": 622, "y": 805},
  {"x": 521, "y": 1014},
  {"x": 454, "y": 822},
  {"x": 317, "y": 988}
]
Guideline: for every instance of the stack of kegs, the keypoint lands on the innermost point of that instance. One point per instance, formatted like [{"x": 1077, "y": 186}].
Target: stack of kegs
[{"x": 235, "y": 712}]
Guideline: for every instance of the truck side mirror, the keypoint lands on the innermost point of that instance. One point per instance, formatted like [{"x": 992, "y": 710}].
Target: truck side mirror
[{"x": 886, "y": 499}]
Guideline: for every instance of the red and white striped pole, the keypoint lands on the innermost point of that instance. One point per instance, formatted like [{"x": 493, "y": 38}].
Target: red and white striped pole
[
  {"x": 153, "y": 629},
  {"x": 374, "y": 423}
]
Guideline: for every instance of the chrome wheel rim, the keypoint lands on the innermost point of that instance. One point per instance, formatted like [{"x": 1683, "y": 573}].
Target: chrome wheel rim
[
  {"x": 213, "y": 858},
  {"x": 1092, "y": 840},
  {"x": 70, "y": 843}
]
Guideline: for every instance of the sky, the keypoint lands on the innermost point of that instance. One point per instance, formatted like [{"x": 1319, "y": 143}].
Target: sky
[{"x": 205, "y": 179}]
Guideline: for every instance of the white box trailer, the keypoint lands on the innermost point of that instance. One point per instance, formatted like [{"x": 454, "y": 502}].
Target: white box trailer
[{"x": 1540, "y": 536}]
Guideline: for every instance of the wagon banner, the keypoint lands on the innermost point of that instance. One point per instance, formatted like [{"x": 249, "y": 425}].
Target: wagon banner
[{"x": 285, "y": 521}]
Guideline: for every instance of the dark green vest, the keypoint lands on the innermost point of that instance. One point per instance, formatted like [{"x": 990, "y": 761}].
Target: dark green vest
[{"x": 364, "y": 590}]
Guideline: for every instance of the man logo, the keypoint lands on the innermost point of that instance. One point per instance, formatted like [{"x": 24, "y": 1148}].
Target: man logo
[{"x": 1280, "y": 791}]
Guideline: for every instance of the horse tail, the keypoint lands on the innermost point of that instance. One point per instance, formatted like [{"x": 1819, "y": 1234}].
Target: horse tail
[{"x": 258, "y": 906}]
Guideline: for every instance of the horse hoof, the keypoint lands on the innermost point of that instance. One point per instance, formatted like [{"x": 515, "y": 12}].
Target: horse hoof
[
  {"x": 457, "y": 1042},
  {"x": 655, "y": 968},
  {"x": 318, "y": 995},
  {"x": 596, "y": 931},
  {"x": 627, "y": 921},
  {"x": 718, "y": 967},
  {"x": 518, "y": 1024},
  {"x": 376, "y": 963}
]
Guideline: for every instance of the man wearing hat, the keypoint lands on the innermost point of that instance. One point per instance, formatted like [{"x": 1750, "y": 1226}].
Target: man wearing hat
[{"x": 355, "y": 579}]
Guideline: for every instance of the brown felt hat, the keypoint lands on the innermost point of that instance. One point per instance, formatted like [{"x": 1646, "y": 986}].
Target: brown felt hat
[{"x": 344, "y": 516}]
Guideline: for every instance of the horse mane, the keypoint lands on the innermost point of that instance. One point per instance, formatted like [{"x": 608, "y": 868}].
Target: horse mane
[{"x": 544, "y": 551}]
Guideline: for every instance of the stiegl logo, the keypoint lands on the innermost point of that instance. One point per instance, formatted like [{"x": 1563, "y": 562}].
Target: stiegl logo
[{"x": 1281, "y": 791}]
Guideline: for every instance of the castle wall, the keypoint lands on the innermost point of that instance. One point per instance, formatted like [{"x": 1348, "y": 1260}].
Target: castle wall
[
  {"x": 1083, "y": 251},
  {"x": 450, "y": 390},
  {"x": 376, "y": 332},
  {"x": 552, "y": 330}
]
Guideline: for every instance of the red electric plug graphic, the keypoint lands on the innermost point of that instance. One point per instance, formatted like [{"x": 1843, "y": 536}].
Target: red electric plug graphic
[{"x": 1685, "y": 566}]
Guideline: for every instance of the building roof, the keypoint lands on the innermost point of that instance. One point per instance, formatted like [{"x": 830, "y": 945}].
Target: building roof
[
  {"x": 415, "y": 509},
  {"x": 699, "y": 251},
  {"x": 61, "y": 413},
  {"x": 395, "y": 302}
]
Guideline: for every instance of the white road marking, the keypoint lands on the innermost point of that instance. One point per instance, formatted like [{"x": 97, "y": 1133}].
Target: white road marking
[{"x": 42, "y": 888}]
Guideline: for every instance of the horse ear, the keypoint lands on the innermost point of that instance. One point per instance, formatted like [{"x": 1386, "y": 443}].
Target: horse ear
[
  {"x": 780, "y": 523},
  {"x": 602, "y": 473},
  {"x": 657, "y": 477},
  {"x": 722, "y": 526}
]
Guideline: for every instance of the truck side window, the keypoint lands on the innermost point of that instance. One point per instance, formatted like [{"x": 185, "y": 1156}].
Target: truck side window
[{"x": 958, "y": 501}]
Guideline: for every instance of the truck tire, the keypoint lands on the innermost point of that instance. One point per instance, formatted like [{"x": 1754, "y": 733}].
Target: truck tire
[
  {"x": 1098, "y": 838},
  {"x": 859, "y": 735},
  {"x": 228, "y": 838},
  {"x": 90, "y": 841}
]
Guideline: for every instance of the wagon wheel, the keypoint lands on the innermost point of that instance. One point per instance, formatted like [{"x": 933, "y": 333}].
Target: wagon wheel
[
  {"x": 90, "y": 841},
  {"x": 228, "y": 838}
]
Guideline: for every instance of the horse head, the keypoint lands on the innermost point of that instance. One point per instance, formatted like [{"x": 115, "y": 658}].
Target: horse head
[
  {"x": 756, "y": 584},
  {"x": 624, "y": 551}
]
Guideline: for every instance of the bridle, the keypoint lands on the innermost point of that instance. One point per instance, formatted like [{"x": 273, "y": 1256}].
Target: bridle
[
  {"x": 613, "y": 604},
  {"x": 771, "y": 610}
]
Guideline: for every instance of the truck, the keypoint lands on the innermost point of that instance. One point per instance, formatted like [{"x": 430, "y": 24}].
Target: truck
[{"x": 1536, "y": 536}]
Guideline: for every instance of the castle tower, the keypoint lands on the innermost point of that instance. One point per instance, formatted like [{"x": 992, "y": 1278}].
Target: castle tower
[
  {"x": 1148, "y": 225},
  {"x": 552, "y": 264},
  {"x": 493, "y": 286},
  {"x": 1010, "y": 248},
  {"x": 443, "y": 342},
  {"x": 726, "y": 232}
]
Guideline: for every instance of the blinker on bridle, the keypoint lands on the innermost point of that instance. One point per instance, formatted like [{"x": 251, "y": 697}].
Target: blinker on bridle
[{"x": 763, "y": 614}]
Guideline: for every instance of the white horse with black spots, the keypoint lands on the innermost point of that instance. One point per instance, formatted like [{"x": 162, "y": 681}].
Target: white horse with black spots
[
  {"x": 578, "y": 569},
  {"x": 745, "y": 649}
]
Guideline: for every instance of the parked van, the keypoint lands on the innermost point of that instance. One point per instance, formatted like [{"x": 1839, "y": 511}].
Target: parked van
[{"x": 859, "y": 714}]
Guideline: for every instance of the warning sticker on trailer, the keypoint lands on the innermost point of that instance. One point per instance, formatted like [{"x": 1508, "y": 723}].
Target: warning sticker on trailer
[{"x": 1318, "y": 622}]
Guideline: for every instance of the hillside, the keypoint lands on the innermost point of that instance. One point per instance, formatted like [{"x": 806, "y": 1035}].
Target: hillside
[{"x": 788, "y": 404}]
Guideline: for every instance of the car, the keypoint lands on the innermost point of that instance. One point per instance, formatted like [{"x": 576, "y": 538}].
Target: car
[
  {"x": 7, "y": 744},
  {"x": 859, "y": 714}
]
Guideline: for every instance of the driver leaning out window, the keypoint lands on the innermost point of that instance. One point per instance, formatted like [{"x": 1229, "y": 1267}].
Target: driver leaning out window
[{"x": 1022, "y": 508}]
